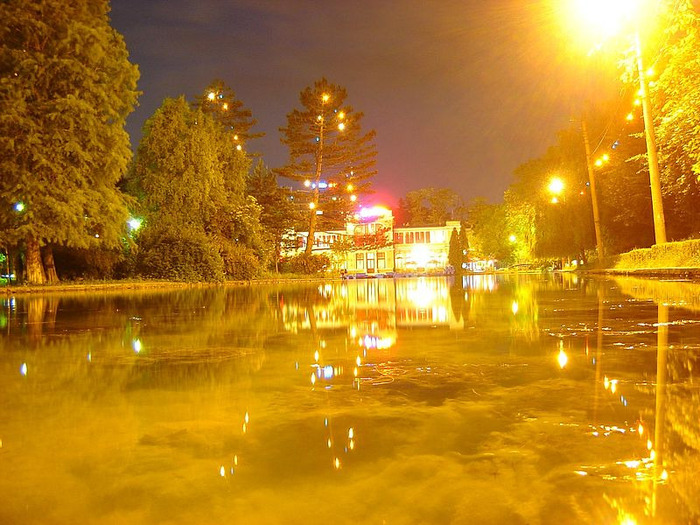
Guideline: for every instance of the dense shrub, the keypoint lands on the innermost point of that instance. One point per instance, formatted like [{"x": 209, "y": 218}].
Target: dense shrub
[
  {"x": 240, "y": 262},
  {"x": 178, "y": 256},
  {"x": 75, "y": 263},
  {"x": 307, "y": 264},
  {"x": 684, "y": 254}
]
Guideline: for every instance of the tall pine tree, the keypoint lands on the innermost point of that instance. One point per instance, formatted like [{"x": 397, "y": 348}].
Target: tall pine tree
[
  {"x": 66, "y": 87},
  {"x": 328, "y": 153}
]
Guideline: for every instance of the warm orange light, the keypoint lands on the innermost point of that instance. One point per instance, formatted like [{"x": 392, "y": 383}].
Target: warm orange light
[
  {"x": 325, "y": 97},
  {"x": 211, "y": 95},
  {"x": 603, "y": 18},
  {"x": 556, "y": 186},
  {"x": 341, "y": 126}
]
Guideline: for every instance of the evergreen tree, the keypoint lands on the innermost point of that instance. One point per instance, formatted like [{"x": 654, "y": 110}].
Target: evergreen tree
[
  {"x": 328, "y": 153},
  {"x": 66, "y": 87},
  {"x": 220, "y": 101},
  {"x": 464, "y": 244},
  {"x": 454, "y": 255},
  {"x": 279, "y": 214},
  {"x": 190, "y": 180}
]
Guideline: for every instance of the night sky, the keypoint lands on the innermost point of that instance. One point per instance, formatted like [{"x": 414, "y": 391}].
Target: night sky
[{"x": 459, "y": 92}]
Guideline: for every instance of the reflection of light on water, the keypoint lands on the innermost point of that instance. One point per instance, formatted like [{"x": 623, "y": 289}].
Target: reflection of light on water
[
  {"x": 23, "y": 369},
  {"x": 336, "y": 463},
  {"x": 246, "y": 418},
  {"x": 562, "y": 358},
  {"x": 351, "y": 433},
  {"x": 421, "y": 295},
  {"x": 136, "y": 345}
]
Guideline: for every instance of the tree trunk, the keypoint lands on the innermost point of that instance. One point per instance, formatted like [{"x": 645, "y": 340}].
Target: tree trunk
[
  {"x": 312, "y": 233},
  {"x": 49, "y": 265},
  {"x": 35, "y": 270}
]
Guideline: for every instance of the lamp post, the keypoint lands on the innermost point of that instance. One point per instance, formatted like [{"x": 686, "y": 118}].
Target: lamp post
[
  {"x": 652, "y": 156},
  {"x": 594, "y": 195}
]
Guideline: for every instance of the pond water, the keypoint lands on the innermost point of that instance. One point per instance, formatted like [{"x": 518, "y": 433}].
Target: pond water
[{"x": 492, "y": 399}]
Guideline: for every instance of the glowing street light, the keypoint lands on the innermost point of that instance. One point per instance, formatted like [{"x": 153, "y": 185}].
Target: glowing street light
[{"x": 556, "y": 186}]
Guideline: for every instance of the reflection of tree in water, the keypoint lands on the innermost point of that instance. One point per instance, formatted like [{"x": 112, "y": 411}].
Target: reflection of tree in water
[
  {"x": 680, "y": 419},
  {"x": 144, "y": 338},
  {"x": 683, "y": 419}
]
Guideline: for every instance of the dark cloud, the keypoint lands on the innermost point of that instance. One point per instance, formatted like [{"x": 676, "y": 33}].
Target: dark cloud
[{"x": 460, "y": 92}]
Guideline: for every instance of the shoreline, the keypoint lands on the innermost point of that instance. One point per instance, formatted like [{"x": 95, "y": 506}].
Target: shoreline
[{"x": 117, "y": 286}]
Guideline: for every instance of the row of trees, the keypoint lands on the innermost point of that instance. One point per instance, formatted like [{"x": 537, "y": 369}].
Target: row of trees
[{"x": 191, "y": 204}]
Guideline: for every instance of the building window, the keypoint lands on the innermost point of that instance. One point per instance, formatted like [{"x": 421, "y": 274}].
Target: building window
[
  {"x": 398, "y": 237},
  {"x": 409, "y": 238},
  {"x": 360, "y": 261},
  {"x": 371, "y": 261},
  {"x": 381, "y": 261},
  {"x": 427, "y": 237}
]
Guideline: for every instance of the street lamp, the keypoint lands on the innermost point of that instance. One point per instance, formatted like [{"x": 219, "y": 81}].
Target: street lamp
[{"x": 556, "y": 188}]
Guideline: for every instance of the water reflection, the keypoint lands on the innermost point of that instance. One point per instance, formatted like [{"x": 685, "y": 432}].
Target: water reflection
[{"x": 524, "y": 399}]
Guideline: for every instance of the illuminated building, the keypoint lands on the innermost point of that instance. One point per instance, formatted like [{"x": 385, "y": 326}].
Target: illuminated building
[{"x": 371, "y": 245}]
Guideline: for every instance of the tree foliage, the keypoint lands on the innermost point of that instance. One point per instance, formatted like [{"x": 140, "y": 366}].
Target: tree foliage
[
  {"x": 220, "y": 101},
  {"x": 278, "y": 212},
  {"x": 431, "y": 207},
  {"x": 328, "y": 152},
  {"x": 190, "y": 177},
  {"x": 66, "y": 87},
  {"x": 676, "y": 94}
]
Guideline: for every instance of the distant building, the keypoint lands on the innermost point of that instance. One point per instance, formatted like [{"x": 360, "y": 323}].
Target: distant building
[{"x": 370, "y": 244}]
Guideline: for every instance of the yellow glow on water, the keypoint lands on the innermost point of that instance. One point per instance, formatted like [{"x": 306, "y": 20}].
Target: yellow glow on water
[
  {"x": 358, "y": 360},
  {"x": 316, "y": 356},
  {"x": 649, "y": 445},
  {"x": 352, "y": 444},
  {"x": 664, "y": 474},
  {"x": 235, "y": 460},
  {"x": 136, "y": 345},
  {"x": 313, "y": 379},
  {"x": 351, "y": 433},
  {"x": 640, "y": 429},
  {"x": 562, "y": 358},
  {"x": 336, "y": 463},
  {"x": 514, "y": 307},
  {"x": 246, "y": 418},
  {"x": 23, "y": 369},
  {"x": 329, "y": 443},
  {"x": 222, "y": 471}
]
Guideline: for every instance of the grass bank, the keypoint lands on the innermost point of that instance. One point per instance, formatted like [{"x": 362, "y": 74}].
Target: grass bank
[{"x": 674, "y": 258}]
